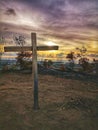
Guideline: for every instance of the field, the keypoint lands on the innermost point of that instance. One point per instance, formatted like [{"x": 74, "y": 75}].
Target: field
[{"x": 65, "y": 103}]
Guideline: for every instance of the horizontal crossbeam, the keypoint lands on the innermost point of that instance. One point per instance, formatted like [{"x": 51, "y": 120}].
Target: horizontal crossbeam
[{"x": 28, "y": 48}]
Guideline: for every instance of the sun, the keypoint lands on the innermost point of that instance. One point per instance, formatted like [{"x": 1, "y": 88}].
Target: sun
[{"x": 50, "y": 43}]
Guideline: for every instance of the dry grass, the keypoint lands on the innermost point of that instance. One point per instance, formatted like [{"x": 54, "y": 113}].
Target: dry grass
[{"x": 65, "y": 104}]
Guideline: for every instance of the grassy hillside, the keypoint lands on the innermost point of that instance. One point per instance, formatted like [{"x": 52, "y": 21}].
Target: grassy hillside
[{"x": 65, "y": 104}]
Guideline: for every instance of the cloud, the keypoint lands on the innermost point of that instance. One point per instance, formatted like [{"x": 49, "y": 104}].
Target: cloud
[
  {"x": 66, "y": 22},
  {"x": 10, "y": 11}
]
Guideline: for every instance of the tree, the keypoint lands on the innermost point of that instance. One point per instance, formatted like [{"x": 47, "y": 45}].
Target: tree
[
  {"x": 19, "y": 40},
  {"x": 71, "y": 57},
  {"x": 23, "y": 58},
  {"x": 83, "y": 61},
  {"x": 81, "y": 51}
]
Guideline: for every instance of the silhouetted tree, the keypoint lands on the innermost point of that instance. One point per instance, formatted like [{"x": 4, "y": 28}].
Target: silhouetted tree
[
  {"x": 82, "y": 59},
  {"x": 71, "y": 57},
  {"x": 19, "y": 40},
  {"x": 81, "y": 51},
  {"x": 23, "y": 58}
]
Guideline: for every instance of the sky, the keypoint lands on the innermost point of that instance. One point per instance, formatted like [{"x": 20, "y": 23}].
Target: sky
[{"x": 66, "y": 23}]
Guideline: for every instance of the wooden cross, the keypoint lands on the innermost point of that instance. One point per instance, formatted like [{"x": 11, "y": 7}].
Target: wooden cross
[{"x": 34, "y": 48}]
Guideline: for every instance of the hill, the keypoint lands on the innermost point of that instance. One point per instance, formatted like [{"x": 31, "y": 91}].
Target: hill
[{"x": 65, "y": 104}]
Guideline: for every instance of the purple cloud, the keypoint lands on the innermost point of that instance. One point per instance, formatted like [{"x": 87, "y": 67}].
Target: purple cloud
[
  {"x": 10, "y": 11},
  {"x": 64, "y": 21}
]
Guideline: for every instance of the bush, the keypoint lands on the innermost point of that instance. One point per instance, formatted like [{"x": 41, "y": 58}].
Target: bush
[{"x": 23, "y": 60}]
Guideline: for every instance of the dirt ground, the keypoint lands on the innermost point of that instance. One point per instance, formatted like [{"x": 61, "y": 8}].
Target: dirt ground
[{"x": 65, "y": 104}]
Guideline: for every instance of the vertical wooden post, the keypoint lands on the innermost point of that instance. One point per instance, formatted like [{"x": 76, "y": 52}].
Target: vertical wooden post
[{"x": 35, "y": 70}]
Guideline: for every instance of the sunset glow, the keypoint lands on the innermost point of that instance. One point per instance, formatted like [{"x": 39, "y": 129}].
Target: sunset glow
[
  {"x": 50, "y": 43},
  {"x": 66, "y": 23}
]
